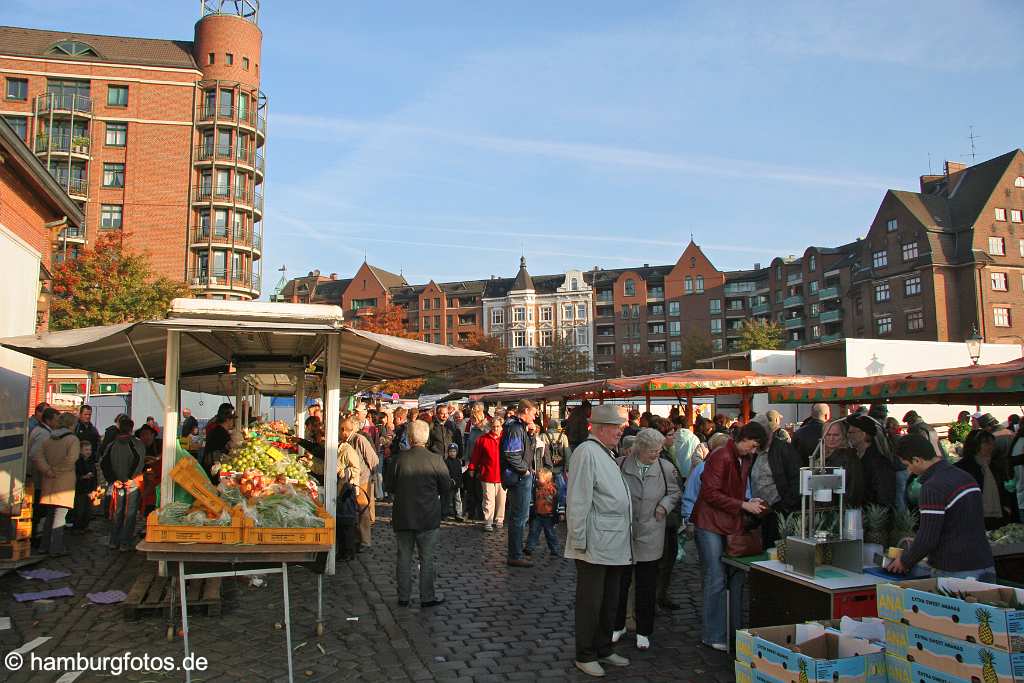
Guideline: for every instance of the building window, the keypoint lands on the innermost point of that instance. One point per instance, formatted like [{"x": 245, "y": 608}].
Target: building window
[
  {"x": 363, "y": 303},
  {"x": 880, "y": 259},
  {"x": 17, "y": 89},
  {"x": 892, "y": 225},
  {"x": 426, "y": 322},
  {"x": 1015, "y": 216},
  {"x": 716, "y": 326},
  {"x": 884, "y": 324},
  {"x": 779, "y": 296},
  {"x": 581, "y": 311},
  {"x": 518, "y": 338},
  {"x": 999, "y": 282},
  {"x": 545, "y": 338},
  {"x": 909, "y": 251},
  {"x": 882, "y": 292},
  {"x": 426, "y": 304},
  {"x": 656, "y": 292},
  {"x": 230, "y": 58},
  {"x": 581, "y": 336},
  {"x": 211, "y": 58},
  {"x": 498, "y": 316},
  {"x": 815, "y": 309},
  {"x": 437, "y": 337},
  {"x": 812, "y": 263},
  {"x": 915, "y": 321},
  {"x": 546, "y": 314},
  {"x": 673, "y": 328},
  {"x": 629, "y": 289},
  {"x": 812, "y": 287},
  {"x": 1020, "y": 245},
  {"x": 574, "y": 285},
  {"x": 735, "y": 304},
  {"x": 113, "y": 175},
  {"x": 437, "y": 302},
  {"x": 1001, "y": 316},
  {"x": 625, "y": 311},
  {"x": 688, "y": 285},
  {"x": 245, "y": 63},
  {"x": 717, "y": 344},
  {"x": 675, "y": 348},
  {"x": 912, "y": 285},
  {"x": 815, "y": 331},
  {"x": 117, "y": 95},
  {"x": 700, "y": 284},
  {"x": 117, "y": 134},
  {"x": 715, "y": 306},
  {"x": 673, "y": 306},
  {"x": 778, "y": 272},
  {"x": 996, "y": 246},
  {"x": 1018, "y": 181},
  {"x": 111, "y": 216},
  {"x": 1000, "y": 214},
  {"x": 634, "y": 310},
  {"x": 20, "y": 126},
  {"x": 567, "y": 312},
  {"x": 518, "y": 314}
]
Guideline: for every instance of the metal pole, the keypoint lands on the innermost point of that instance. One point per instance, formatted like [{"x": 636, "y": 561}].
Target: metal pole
[
  {"x": 332, "y": 381},
  {"x": 300, "y": 407},
  {"x": 184, "y": 616},
  {"x": 287, "y": 619},
  {"x": 239, "y": 388},
  {"x": 169, "y": 451},
  {"x": 647, "y": 398}
]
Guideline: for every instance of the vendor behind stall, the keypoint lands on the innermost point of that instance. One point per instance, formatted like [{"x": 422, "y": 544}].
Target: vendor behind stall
[{"x": 952, "y": 531}]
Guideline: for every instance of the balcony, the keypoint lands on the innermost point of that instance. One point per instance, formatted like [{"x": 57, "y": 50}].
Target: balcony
[
  {"x": 760, "y": 309},
  {"x": 605, "y": 312},
  {"x": 794, "y": 278},
  {"x": 205, "y": 279},
  {"x": 225, "y": 194},
  {"x": 734, "y": 331},
  {"x": 793, "y": 323},
  {"x": 731, "y": 312},
  {"x": 74, "y": 145},
  {"x": 72, "y": 234},
  {"x": 69, "y": 104},
  {"x": 77, "y": 188},
  {"x": 793, "y": 301},
  {"x": 203, "y": 237},
  {"x": 250, "y": 117},
  {"x": 245, "y": 155},
  {"x": 605, "y": 297},
  {"x": 794, "y": 343},
  {"x": 830, "y": 337},
  {"x": 832, "y": 316},
  {"x": 828, "y": 293},
  {"x": 738, "y": 288},
  {"x": 656, "y": 295}
]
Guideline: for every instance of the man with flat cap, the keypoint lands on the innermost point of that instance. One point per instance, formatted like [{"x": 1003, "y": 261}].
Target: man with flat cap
[{"x": 879, "y": 469}]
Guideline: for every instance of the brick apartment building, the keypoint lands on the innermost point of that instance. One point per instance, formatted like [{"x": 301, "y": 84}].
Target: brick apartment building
[
  {"x": 160, "y": 141},
  {"x": 933, "y": 266}
]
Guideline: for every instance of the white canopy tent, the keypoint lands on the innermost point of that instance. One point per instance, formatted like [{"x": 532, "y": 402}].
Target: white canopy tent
[{"x": 251, "y": 348}]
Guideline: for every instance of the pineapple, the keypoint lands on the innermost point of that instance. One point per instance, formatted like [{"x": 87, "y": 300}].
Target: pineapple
[
  {"x": 903, "y": 524},
  {"x": 876, "y": 524},
  {"x": 984, "y": 628},
  {"x": 988, "y": 669},
  {"x": 803, "y": 671},
  {"x": 788, "y": 526}
]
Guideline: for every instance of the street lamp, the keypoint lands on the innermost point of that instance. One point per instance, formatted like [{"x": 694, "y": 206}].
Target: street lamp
[{"x": 974, "y": 345}]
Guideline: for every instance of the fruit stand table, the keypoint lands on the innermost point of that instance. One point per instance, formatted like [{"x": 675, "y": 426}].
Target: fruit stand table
[{"x": 250, "y": 560}]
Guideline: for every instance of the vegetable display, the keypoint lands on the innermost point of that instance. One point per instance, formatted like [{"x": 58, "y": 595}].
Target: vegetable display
[
  {"x": 259, "y": 456},
  {"x": 1011, "y": 533}
]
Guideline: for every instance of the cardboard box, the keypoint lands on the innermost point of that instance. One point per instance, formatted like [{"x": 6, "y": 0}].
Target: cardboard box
[
  {"x": 967, "y": 661},
  {"x": 923, "y": 604},
  {"x": 902, "y": 671},
  {"x": 744, "y": 674},
  {"x": 808, "y": 652}
]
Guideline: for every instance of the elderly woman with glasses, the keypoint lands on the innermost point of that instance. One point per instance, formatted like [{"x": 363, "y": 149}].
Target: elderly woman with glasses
[{"x": 654, "y": 490}]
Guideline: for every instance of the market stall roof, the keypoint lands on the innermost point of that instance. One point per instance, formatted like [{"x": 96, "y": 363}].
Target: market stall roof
[
  {"x": 996, "y": 384},
  {"x": 698, "y": 382},
  {"x": 269, "y": 338}
]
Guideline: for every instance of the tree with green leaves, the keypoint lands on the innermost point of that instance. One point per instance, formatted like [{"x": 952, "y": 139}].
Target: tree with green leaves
[
  {"x": 760, "y": 334},
  {"x": 107, "y": 285},
  {"x": 695, "y": 346},
  {"x": 560, "y": 362}
]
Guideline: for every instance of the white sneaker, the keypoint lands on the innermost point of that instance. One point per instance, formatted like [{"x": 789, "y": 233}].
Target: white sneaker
[
  {"x": 643, "y": 642},
  {"x": 591, "y": 669},
  {"x": 721, "y": 647},
  {"x": 499, "y": 525},
  {"x": 615, "y": 660},
  {"x": 617, "y": 635}
]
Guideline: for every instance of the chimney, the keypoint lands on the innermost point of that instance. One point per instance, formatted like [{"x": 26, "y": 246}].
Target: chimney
[
  {"x": 954, "y": 167},
  {"x": 757, "y": 266},
  {"x": 647, "y": 265},
  {"x": 334, "y": 276}
]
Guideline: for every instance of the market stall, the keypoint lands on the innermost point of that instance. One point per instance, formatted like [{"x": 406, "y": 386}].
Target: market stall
[{"x": 254, "y": 349}]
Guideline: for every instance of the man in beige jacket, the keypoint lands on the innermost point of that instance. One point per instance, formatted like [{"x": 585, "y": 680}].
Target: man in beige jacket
[{"x": 598, "y": 517}]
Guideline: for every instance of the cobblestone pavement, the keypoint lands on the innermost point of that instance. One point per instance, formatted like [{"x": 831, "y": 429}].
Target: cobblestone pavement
[{"x": 497, "y": 623}]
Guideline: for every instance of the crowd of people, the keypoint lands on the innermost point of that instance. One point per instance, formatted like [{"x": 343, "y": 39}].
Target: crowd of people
[{"x": 631, "y": 488}]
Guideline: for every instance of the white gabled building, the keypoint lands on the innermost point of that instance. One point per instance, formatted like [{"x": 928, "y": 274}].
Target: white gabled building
[{"x": 527, "y": 313}]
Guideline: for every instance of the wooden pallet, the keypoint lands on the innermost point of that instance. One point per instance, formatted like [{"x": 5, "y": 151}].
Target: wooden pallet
[{"x": 152, "y": 593}]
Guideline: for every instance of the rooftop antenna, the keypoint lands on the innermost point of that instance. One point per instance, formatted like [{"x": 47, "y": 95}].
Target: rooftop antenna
[
  {"x": 972, "y": 137},
  {"x": 930, "y": 164}
]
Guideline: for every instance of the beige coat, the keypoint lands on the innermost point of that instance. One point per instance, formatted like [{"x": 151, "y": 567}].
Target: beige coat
[
  {"x": 598, "y": 511},
  {"x": 348, "y": 464},
  {"x": 56, "y": 467},
  {"x": 653, "y": 490}
]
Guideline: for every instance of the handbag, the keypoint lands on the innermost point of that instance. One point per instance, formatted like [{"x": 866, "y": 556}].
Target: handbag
[{"x": 745, "y": 543}]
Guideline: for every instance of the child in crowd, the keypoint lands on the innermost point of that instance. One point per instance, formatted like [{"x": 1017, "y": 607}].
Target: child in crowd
[
  {"x": 455, "y": 468},
  {"x": 546, "y": 505},
  {"x": 85, "y": 483}
]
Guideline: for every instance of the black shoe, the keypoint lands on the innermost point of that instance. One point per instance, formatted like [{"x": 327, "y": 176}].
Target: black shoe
[
  {"x": 527, "y": 552},
  {"x": 432, "y": 603},
  {"x": 403, "y": 603},
  {"x": 520, "y": 563},
  {"x": 668, "y": 605}
]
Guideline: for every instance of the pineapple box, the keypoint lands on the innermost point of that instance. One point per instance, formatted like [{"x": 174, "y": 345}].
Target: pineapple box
[
  {"x": 744, "y": 674},
  {"x": 802, "y": 653},
  {"x": 902, "y": 671},
  {"x": 941, "y": 653},
  {"x": 964, "y": 609}
]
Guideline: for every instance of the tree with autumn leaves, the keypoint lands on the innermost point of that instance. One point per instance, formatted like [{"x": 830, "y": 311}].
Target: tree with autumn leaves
[
  {"x": 390, "y": 319},
  {"x": 107, "y": 285}
]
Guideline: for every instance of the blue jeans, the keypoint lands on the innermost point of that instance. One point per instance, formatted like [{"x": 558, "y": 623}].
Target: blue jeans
[
  {"x": 986, "y": 575},
  {"x": 901, "y": 489},
  {"x": 711, "y": 547},
  {"x": 518, "y": 511},
  {"x": 545, "y": 523},
  {"x": 125, "y": 511}
]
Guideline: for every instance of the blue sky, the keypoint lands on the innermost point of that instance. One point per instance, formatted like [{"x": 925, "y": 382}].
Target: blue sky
[{"x": 442, "y": 138}]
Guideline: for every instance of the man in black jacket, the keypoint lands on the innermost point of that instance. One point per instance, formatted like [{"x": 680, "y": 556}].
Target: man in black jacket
[
  {"x": 442, "y": 434},
  {"x": 517, "y": 448},
  {"x": 806, "y": 439},
  {"x": 420, "y": 485}
]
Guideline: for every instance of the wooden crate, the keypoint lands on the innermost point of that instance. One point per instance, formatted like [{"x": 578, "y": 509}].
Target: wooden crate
[
  {"x": 151, "y": 593},
  {"x": 197, "y": 484},
  {"x": 261, "y": 535},
  {"x": 20, "y": 529},
  {"x": 15, "y": 550},
  {"x": 177, "y": 533}
]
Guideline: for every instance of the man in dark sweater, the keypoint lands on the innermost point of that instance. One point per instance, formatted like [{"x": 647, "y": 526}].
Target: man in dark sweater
[{"x": 952, "y": 531}]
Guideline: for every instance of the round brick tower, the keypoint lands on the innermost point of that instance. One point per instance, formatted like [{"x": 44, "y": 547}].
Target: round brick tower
[{"x": 225, "y": 227}]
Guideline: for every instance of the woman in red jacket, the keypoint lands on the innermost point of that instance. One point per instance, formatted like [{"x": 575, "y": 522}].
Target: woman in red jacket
[
  {"x": 485, "y": 465},
  {"x": 718, "y": 513}
]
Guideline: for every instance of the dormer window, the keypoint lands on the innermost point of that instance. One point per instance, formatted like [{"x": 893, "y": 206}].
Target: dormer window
[
  {"x": 75, "y": 48},
  {"x": 1019, "y": 181},
  {"x": 630, "y": 288},
  {"x": 574, "y": 284}
]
